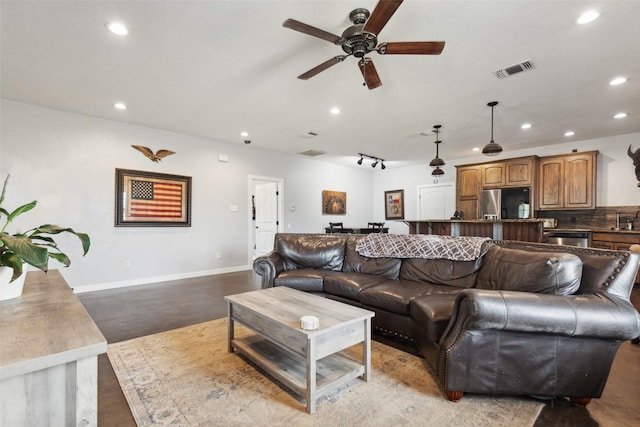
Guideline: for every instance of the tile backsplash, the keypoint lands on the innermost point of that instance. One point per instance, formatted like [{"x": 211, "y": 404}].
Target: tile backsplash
[{"x": 601, "y": 217}]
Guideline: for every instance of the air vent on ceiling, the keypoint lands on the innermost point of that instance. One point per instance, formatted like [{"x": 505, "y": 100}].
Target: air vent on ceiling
[
  {"x": 312, "y": 153},
  {"x": 515, "y": 69},
  {"x": 309, "y": 134}
]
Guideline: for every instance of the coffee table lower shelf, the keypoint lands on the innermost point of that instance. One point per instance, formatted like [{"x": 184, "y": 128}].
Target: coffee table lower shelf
[{"x": 291, "y": 368}]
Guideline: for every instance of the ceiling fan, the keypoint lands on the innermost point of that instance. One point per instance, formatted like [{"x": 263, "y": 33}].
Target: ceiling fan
[{"x": 362, "y": 38}]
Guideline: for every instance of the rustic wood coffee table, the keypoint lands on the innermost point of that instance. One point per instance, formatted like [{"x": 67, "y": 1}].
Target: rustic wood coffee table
[{"x": 310, "y": 363}]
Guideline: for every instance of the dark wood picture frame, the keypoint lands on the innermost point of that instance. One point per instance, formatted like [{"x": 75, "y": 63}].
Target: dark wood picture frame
[
  {"x": 394, "y": 204},
  {"x": 150, "y": 199}
]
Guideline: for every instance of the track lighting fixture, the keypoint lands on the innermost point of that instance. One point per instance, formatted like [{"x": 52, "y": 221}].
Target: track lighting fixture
[
  {"x": 492, "y": 148},
  {"x": 375, "y": 159}
]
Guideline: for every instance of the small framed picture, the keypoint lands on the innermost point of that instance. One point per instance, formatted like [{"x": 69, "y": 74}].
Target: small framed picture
[
  {"x": 394, "y": 204},
  {"x": 149, "y": 199},
  {"x": 334, "y": 202}
]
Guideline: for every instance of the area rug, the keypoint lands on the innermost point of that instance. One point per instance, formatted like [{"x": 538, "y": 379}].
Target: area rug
[{"x": 186, "y": 377}]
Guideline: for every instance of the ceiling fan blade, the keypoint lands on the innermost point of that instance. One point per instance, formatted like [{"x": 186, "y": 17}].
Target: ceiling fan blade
[
  {"x": 410, "y": 48},
  {"x": 369, "y": 73},
  {"x": 312, "y": 31},
  {"x": 320, "y": 68},
  {"x": 381, "y": 14}
]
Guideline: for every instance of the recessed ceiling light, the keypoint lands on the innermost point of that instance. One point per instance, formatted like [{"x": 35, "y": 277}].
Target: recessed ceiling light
[
  {"x": 588, "y": 16},
  {"x": 569, "y": 133},
  {"x": 244, "y": 134},
  {"x": 120, "y": 106},
  {"x": 526, "y": 126},
  {"x": 335, "y": 110},
  {"x": 118, "y": 28},
  {"x": 475, "y": 149},
  {"x": 618, "y": 81},
  {"x": 620, "y": 116}
]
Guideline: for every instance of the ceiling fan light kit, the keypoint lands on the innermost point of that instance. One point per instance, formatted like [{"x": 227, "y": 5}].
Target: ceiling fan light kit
[
  {"x": 492, "y": 148},
  {"x": 362, "y": 38}
]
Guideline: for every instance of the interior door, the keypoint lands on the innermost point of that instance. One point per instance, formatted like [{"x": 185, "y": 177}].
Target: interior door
[
  {"x": 266, "y": 214},
  {"x": 437, "y": 201}
]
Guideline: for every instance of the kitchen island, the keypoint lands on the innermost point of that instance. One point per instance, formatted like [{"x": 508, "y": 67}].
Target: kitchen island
[{"x": 524, "y": 230}]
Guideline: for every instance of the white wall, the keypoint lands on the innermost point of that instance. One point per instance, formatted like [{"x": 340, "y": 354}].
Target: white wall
[{"x": 67, "y": 162}]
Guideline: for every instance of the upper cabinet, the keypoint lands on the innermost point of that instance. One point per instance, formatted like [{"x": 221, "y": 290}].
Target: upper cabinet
[
  {"x": 493, "y": 175},
  {"x": 567, "y": 181},
  {"x": 519, "y": 172}
]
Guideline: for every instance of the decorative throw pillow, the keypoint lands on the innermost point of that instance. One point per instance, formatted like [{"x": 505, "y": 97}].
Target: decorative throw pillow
[{"x": 553, "y": 273}]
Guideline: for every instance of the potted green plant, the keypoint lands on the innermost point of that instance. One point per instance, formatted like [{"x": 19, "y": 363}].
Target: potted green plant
[{"x": 34, "y": 247}]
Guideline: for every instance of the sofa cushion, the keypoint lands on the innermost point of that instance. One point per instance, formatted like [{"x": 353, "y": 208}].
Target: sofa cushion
[
  {"x": 303, "y": 279},
  {"x": 349, "y": 285},
  {"x": 432, "y": 313},
  {"x": 555, "y": 273},
  {"x": 441, "y": 271},
  {"x": 312, "y": 251},
  {"x": 395, "y": 295},
  {"x": 354, "y": 262}
]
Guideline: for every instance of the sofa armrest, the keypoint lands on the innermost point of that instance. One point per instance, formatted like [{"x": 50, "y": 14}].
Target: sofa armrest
[
  {"x": 597, "y": 315},
  {"x": 268, "y": 266}
]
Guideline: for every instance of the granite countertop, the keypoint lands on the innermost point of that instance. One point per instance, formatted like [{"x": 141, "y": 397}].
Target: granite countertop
[
  {"x": 475, "y": 220},
  {"x": 611, "y": 230}
]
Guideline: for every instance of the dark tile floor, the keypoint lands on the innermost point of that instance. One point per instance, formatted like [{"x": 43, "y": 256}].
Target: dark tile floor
[{"x": 127, "y": 313}]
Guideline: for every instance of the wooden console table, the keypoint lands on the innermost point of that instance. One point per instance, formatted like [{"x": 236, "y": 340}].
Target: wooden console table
[{"x": 49, "y": 348}]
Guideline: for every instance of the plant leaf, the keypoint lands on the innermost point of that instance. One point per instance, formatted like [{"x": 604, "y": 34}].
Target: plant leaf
[
  {"x": 12, "y": 261},
  {"x": 22, "y": 209},
  {"x": 62, "y": 258},
  {"x": 4, "y": 189},
  {"x": 56, "y": 229},
  {"x": 30, "y": 253}
]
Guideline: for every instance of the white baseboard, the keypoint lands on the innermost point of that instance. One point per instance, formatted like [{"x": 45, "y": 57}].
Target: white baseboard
[{"x": 157, "y": 279}]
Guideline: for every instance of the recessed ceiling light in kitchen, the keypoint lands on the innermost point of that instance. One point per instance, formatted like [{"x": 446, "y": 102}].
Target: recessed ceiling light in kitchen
[
  {"x": 120, "y": 106},
  {"x": 620, "y": 116},
  {"x": 118, "y": 28},
  {"x": 588, "y": 16},
  {"x": 618, "y": 81}
]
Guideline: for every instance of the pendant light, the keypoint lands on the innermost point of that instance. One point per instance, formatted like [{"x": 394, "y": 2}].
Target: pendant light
[
  {"x": 437, "y": 161},
  {"x": 492, "y": 148}
]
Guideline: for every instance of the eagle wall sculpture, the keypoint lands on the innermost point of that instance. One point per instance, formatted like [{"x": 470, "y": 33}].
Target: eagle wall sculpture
[
  {"x": 154, "y": 157},
  {"x": 635, "y": 156}
]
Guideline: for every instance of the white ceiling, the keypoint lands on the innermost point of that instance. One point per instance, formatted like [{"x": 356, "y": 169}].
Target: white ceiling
[{"x": 216, "y": 68}]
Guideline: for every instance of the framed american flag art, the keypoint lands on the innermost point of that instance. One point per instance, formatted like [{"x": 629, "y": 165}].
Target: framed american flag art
[{"x": 149, "y": 199}]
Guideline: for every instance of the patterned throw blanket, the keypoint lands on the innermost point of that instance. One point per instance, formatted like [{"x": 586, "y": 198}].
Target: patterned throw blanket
[{"x": 463, "y": 248}]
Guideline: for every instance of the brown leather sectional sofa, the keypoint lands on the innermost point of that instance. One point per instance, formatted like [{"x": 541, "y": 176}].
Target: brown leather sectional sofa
[{"x": 523, "y": 318}]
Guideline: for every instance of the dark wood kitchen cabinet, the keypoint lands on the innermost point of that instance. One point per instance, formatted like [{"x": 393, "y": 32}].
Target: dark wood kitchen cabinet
[
  {"x": 518, "y": 172},
  {"x": 468, "y": 190},
  {"x": 567, "y": 181},
  {"x": 616, "y": 240}
]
